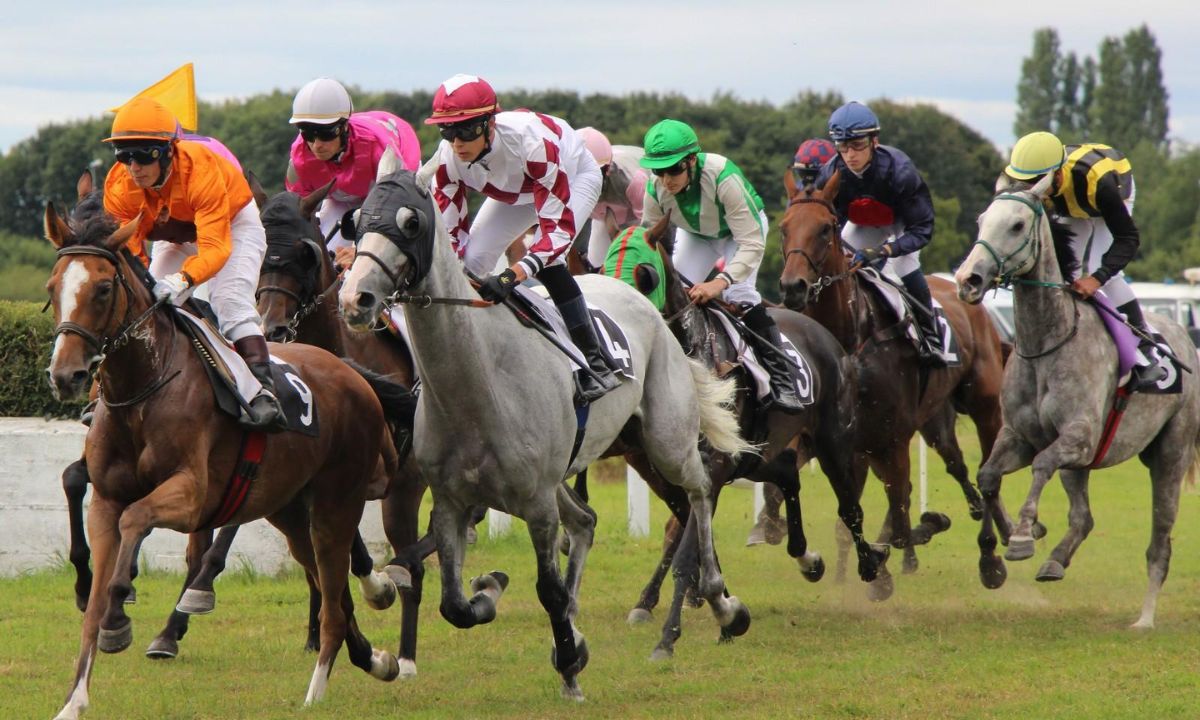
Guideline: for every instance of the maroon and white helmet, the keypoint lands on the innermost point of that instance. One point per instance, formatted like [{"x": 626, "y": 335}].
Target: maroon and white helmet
[{"x": 463, "y": 97}]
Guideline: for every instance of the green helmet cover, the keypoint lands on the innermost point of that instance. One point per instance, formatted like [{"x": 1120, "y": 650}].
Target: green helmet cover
[{"x": 667, "y": 142}]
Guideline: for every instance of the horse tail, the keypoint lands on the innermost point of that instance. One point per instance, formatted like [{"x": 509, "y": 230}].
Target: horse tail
[
  {"x": 1194, "y": 469},
  {"x": 718, "y": 423},
  {"x": 399, "y": 403}
]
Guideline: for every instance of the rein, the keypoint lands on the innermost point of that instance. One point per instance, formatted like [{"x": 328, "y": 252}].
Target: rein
[{"x": 823, "y": 281}]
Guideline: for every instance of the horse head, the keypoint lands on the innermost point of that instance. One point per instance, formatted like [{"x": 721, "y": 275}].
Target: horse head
[
  {"x": 1012, "y": 239},
  {"x": 91, "y": 297},
  {"x": 812, "y": 249},
  {"x": 397, "y": 227},
  {"x": 296, "y": 269}
]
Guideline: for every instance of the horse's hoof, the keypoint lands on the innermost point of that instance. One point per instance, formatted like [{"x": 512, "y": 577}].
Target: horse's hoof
[
  {"x": 472, "y": 535},
  {"x": 386, "y": 594},
  {"x": 400, "y": 576},
  {"x": 408, "y": 668},
  {"x": 495, "y": 581},
  {"x": 814, "y": 571},
  {"x": 638, "y": 616},
  {"x": 162, "y": 648},
  {"x": 114, "y": 641},
  {"x": 572, "y": 691},
  {"x": 756, "y": 537},
  {"x": 1019, "y": 548},
  {"x": 939, "y": 522},
  {"x": 384, "y": 666},
  {"x": 662, "y": 653},
  {"x": 131, "y": 598},
  {"x": 775, "y": 531},
  {"x": 1050, "y": 571},
  {"x": 992, "y": 572},
  {"x": 81, "y": 602},
  {"x": 740, "y": 622},
  {"x": 196, "y": 602},
  {"x": 581, "y": 659},
  {"x": 313, "y": 645},
  {"x": 910, "y": 564},
  {"x": 1038, "y": 530},
  {"x": 881, "y": 588}
]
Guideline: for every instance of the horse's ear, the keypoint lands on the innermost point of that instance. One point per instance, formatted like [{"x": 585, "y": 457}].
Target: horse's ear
[
  {"x": 427, "y": 171},
  {"x": 1042, "y": 187},
  {"x": 655, "y": 234},
  {"x": 309, "y": 203},
  {"x": 610, "y": 222},
  {"x": 57, "y": 229},
  {"x": 389, "y": 163},
  {"x": 117, "y": 240},
  {"x": 830, "y": 191},
  {"x": 789, "y": 184},
  {"x": 256, "y": 189},
  {"x": 85, "y": 185}
]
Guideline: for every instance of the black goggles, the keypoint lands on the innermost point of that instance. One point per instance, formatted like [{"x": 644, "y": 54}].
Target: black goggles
[
  {"x": 673, "y": 170},
  {"x": 140, "y": 154},
  {"x": 320, "y": 132},
  {"x": 466, "y": 131}
]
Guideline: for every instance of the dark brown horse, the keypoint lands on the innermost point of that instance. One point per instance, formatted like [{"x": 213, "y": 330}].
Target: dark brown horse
[
  {"x": 160, "y": 454},
  {"x": 785, "y": 441},
  {"x": 896, "y": 396}
]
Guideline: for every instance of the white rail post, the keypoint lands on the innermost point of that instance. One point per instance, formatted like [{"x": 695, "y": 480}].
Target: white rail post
[
  {"x": 923, "y": 464},
  {"x": 759, "y": 501},
  {"x": 637, "y": 494},
  {"x": 499, "y": 523}
]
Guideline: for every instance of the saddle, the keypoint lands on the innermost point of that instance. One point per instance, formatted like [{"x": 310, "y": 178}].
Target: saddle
[
  {"x": 1127, "y": 350},
  {"x": 532, "y": 306},
  {"x": 233, "y": 384},
  {"x": 747, "y": 358},
  {"x": 890, "y": 294}
]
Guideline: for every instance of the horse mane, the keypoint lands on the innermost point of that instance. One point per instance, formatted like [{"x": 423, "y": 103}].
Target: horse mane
[
  {"x": 88, "y": 207},
  {"x": 93, "y": 231}
]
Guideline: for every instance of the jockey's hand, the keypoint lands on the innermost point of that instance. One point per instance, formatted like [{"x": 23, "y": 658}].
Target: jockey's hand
[
  {"x": 1085, "y": 287},
  {"x": 498, "y": 287},
  {"x": 705, "y": 291},
  {"x": 172, "y": 287},
  {"x": 869, "y": 256},
  {"x": 343, "y": 257}
]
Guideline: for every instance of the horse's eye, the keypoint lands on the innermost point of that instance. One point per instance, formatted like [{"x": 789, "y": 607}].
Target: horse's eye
[
  {"x": 1018, "y": 226},
  {"x": 103, "y": 290}
]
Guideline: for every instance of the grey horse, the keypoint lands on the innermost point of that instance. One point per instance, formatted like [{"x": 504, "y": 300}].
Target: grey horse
[
  {"x": 495, "y": 422},
  {"x": 1059, "y": 386}
]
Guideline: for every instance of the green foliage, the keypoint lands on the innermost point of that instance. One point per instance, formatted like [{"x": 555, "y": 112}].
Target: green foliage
[
  {"x": 24, "y": 266},
  {"x": 1038, "y": 90},
  {"x": 26, "y": 335},
  {"x": 1130, "y": 101}
]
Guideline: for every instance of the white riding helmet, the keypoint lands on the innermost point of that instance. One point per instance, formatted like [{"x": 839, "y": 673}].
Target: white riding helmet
[{"x": 321, "y": 102}]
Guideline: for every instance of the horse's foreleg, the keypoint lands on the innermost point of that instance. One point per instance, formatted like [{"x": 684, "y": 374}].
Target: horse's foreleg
[
  {"x": 401, "y": 515},
  {"x": 199, "y": 597},
  {"x": 1009, "y": 453},
  {"x": 75, "y": 482},
  {"x": 731, "y": 614},
  {"x": 939, "y": 433},
  {"x": 166, "y": 644},
  {"x": 1079, "y": 524},
  {"x": 769, "y": 528},
  {"x": 685, "y": 567},
  {"x": 676, "y": 499},
  {"x": 1070, "y": 449},
  {"x": 894, "y": 470},
  {"x": 783, "y": 475},
  {"x": 570, "y": 653},
  {"x": 103, "y": 520},
  {"x": 449, "y": 528}
]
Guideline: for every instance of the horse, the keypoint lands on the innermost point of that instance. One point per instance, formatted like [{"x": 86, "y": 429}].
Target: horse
[
  {"x": 152, "y": 465},
  {"x": 785, "y": 441},
  {"x": 896, "y": 397},
  {"x": 205, "y": 559},
  {"x": 496, "y": 424},
  {"x": 1060, "y": 389}
]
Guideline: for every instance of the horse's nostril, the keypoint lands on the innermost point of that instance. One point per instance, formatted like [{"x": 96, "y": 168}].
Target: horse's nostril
[{"x": 365, "y": 300}]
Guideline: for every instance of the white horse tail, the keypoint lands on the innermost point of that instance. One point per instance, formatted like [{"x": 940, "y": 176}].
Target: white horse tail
[
  {"x": 718, "y": 423},
  {"x": 1194, "y": 469}
]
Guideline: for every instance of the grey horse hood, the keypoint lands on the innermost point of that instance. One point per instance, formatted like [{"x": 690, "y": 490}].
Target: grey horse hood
[{"x": 412, "y": 232}]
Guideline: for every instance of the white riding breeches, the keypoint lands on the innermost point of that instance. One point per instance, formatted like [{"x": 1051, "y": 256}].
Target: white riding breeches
[
  {"x": 1091, "y": 238},
  {"x": 861, "y": 237},
  {"x": 694, "y": 258},
  {"x": 328, "y": 216},
  {"x": 231, "y": 290}
]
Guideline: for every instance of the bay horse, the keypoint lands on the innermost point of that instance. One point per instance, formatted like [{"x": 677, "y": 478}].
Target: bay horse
[
  {"x": 896, "y": 397},
  {"x": 785, "y": 441},
  {"x": 1059, "y": 389},
  {"x": 496, "y": 423},
  {"x": 160, "y": 455}
]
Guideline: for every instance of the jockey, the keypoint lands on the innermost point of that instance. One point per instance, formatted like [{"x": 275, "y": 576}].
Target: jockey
[
  {"x": 810, "y": 157},
  {"x": 718, "y": 215},
  {"x": 885, "y": 211},
  {"x": 172, "y": 182},
  {"x": 534, "y": 170},
  {"x": 335, "y": 143},
  {"x": 623, "y": 190},
  {"x": 1093, "y": 195}
]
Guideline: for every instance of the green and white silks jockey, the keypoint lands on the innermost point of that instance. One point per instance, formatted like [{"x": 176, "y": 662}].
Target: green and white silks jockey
[
  {"x": 718, "y": 215},
  {"x": 629, "y": 252}
]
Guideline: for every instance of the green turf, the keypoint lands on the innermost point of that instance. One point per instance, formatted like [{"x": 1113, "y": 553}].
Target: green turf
[{"x": 942, "y": 647}]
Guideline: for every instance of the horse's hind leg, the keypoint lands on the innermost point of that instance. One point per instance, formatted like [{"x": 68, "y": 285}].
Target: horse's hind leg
[
  {"x": 166, "y": 644},
  {"x": 579, "y": 522},
  {"x": 685, "y": 567},
  {"x": 1079, "y": 524},
  {"x": 378, "y": 588},
  {"x": 401, "y": 518},
  {"x": 75, "y": 482},
  {"x": 676, "y": 500},
  {"x": 570, "y": 653},
  {"x": 1166, "y": 475},
  {"x": 939, "y": 433},
  {"x": 769, "y": 527}
]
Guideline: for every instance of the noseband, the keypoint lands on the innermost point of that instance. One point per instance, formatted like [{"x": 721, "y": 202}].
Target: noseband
[
  {"x": 823, "y": 281},
  {"x": 308, "y": 299},
  {"x": 1033, "y": 241},
  {"x": 104, "y": 345}
]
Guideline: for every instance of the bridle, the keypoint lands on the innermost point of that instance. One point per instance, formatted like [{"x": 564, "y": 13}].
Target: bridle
[
  {"x": 308, "y": 285},
  {"x": 823, "y": 281}
]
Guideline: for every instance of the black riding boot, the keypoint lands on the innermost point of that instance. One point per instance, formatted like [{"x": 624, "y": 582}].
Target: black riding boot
[
  {"x": 565, "y": 294},
  {"x": 929, "y": 350},
  {"x": 265, "y": 411},
  {"x": 1143, "y": 377},
  {"x": 774, "y": 359}
]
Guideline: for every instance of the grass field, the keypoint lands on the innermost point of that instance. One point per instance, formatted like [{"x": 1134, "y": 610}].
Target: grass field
[{"x": 942, "y": 647}]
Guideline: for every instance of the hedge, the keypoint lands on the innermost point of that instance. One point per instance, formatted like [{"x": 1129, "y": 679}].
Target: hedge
[{"x": 26, "y": 335}]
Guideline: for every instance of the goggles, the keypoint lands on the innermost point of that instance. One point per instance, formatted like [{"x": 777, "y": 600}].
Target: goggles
[
  {"x": 324, "y": 133},
  {"x": 466, "y": 130},
  {"x": 140, "y": 154},
  {"x": 675, "y": 169},
  {"x": 857, "y": 144}
]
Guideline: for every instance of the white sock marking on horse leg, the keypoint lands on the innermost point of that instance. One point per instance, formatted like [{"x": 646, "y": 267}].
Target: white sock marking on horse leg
[
  {"x": 408, "y": 668},
  {"x": 808, "y": 559},
  {"x": 375, "y": 585},
  {"x": 78, "y": 702},
  {"x": 316, "y": 688}
]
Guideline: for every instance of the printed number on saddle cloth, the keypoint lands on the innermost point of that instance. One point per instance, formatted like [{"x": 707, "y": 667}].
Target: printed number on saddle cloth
[
  {"x": 948, "y": 338},
  {"x": 613, "y": 342},
  {"x": 802, "y": 372},
  {"x": 305, "y": 394}
]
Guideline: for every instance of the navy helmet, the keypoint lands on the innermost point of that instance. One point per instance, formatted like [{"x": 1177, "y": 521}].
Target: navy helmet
[{"x": 852, "y": 120}]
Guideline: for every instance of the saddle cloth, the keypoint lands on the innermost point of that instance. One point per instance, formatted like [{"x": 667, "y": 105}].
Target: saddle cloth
[
  {"x": 802, "y": 378},
  {"x": 613, "y": 343},
  {"x": 231, "y": 374},
  {"x": 1129, "y": 355},
  {"x": 890, "y": 294}
]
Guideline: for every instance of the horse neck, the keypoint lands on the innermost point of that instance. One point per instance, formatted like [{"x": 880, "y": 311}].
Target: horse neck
[
  {"x": 142, "y": 360},
  {"x": 836, "y": 307},
  {"x": 1039, "y": 310}
]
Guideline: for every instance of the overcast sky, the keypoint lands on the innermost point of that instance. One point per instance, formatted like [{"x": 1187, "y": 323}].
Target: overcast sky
[{"x": 70, "y": 61}]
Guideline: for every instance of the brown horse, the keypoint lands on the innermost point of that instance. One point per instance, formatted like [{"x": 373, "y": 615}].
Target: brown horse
[
  {"x": 896, "y": 396},
  {"x": 160, "y": 454},
  {"x": 784, "y": 440}
]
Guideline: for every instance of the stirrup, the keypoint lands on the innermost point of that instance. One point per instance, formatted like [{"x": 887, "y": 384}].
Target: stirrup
[
  {"x": 1144, "y": 377},
  {"x": 267, "y": 414}
]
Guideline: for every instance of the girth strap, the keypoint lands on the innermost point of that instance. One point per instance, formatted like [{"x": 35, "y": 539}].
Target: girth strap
[{"x": 254, "y": 443}]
